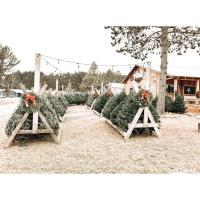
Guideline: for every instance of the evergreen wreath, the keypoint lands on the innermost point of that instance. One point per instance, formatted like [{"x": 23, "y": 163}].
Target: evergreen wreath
[
  {"x": 30, "y": 102},
  {"x": 198, "y": 94}
]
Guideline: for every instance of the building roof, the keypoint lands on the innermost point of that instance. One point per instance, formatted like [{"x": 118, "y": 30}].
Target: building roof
[
  {"x": 184, "y": 72},
  {"x": 172, "y": 72},
  {"x": 134, "y": 69}
]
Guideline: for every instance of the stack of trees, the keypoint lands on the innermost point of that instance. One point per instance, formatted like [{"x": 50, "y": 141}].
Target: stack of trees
[
  {"x": 101, "y": 102},
  {"x": 121, "y": 110}
]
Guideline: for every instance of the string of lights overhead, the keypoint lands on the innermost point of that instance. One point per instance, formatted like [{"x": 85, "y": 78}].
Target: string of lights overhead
[{"x": 45, "y": 57}]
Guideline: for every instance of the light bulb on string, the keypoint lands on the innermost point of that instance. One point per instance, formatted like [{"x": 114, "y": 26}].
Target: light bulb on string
[
  {"x": 58, "y": 61},
  {"x": 78, "y": 65}
]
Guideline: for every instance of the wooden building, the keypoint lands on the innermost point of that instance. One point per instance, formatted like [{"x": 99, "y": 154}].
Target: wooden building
[
  {"x": 186, "y": 84},
  {"x": 115, "y": 88}
]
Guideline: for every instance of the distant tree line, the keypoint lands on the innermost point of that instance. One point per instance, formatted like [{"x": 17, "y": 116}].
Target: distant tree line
[{"x": 77, "y": 81}]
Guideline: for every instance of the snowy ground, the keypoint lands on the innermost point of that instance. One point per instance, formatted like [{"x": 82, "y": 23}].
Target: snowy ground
[{"x": 89, "y": 145}]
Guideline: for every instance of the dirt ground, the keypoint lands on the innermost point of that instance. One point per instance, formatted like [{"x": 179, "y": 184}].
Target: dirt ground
[{"x": 89, "y": 145}]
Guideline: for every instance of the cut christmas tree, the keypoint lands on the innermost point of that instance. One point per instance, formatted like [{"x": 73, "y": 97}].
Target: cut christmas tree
[
  {"x": 112, "y": 103},
  {"x": 100, "y": 102}
]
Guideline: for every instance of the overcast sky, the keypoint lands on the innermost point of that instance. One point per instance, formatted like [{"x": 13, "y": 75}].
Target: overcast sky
[{"x": 74, "y": 30}]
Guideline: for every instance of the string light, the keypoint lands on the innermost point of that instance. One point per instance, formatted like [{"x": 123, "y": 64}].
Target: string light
[{"x": 73, "y": 62}]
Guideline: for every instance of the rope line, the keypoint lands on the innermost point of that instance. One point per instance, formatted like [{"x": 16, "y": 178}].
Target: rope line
[{"x": 73, "y": 62}]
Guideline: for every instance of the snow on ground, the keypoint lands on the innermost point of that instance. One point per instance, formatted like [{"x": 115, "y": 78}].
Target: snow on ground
[{"x": 89, "y": 145}]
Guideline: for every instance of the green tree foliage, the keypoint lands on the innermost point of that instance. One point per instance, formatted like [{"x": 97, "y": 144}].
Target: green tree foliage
[
  {"x": 100, "y": 102},
  {"x": 46, "y": 109},
  {"x": 77, "y": 98},
  {"x": 69, "y": 86},
  {"x": 112, "y": 77},
  {"x": 139, "y": 41},
  {"x": 128, "y": 110},
  {"x": 27, "y": 78},
  {"x": 179, "y": 104},
  {"x": 7, "y": 61},
  {"x": 112, "y": 103},
  {"x": 91, "y": 78},
  {"x": 90, "y": 100}
]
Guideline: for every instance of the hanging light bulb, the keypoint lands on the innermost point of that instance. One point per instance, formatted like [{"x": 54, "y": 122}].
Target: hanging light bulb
[
  {"x": 58, "y": 61},
  {"x": 78, "y": 65},
  {"x": 112, "y": 68}
]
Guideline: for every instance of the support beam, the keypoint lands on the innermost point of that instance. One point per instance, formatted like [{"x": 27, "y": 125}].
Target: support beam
[
  {"x": 101, "y": 88},
  {"x": 175, "y": 85},
  {"x": 56, "y": 85},
  {"x": 36, "y": 88},
  {"x": 197, "y": 86}
]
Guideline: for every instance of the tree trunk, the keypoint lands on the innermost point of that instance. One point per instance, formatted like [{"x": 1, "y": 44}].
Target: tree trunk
[{"x": 163, "y": 71}]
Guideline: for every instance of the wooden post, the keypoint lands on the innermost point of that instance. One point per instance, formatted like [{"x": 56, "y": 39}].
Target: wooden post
[
  {"x": 175, "y": 86},
  {"x": 197, "y": 86},
  {"x": 56, "y": 85},
  {"x": 101, "y": 88},
  {"x": 36, "y": 89},
  {"x": 148, "y": 75}
]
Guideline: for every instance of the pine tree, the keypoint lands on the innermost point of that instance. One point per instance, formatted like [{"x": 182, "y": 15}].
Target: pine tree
[
  {"x": 46, "y": 109},
  {"x": 128, "y": 110},
  {"x": 92, "y": 78},
  {"x": 100, "y": 102},
  {"x": 179, "y": 104},
  {"x": 139, "y": 41},
  {"x": 7, "y": 61},
  {"x": 112, "y": 103},
  {"x": 69, "y": 86}
]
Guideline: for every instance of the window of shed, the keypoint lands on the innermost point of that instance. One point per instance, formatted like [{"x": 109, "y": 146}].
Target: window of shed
[
  {"x": 189, "y": 90},
  {"x": 169, "y": 88}
]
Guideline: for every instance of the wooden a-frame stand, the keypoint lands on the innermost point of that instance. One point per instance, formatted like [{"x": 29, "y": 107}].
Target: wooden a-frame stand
[
  {"x": 36, "y": 114},
  {"x": 134, "y": 124}
]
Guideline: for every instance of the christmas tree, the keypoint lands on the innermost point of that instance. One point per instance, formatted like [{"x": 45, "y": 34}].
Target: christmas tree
[
  {"x": 112, "y": 103},
  {"x": 100, "y": 102},
  {"x": 127, "y": 109},
  {"x": 45, "y": 108},
  {"x": 179, "y": 104},
  {"x": 90, "y": 100}
]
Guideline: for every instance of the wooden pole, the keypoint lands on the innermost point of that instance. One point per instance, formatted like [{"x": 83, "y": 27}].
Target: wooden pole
[
  {"x": 102, "y": 87},
  {"x": 36, "y": 89},
  {"x": 56, "y": 85},
  {"x": 148, "y": 75}
]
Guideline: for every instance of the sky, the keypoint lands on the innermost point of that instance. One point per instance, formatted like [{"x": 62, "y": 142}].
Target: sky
[{"x": 74, "y": 30}]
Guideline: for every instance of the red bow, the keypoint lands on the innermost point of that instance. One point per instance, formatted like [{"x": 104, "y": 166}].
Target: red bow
[
  {"x": 31, "y": 98},
  {"x": 145, "y": 95}
]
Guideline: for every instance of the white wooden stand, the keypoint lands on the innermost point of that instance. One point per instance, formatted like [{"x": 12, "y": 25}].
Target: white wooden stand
[
  {"x": 36, "y": 114},
  {"x": 135, "y": 124}
]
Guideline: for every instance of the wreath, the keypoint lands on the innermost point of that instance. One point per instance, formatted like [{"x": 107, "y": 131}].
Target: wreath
[
  {"x": 31, "y": 102},
  {"x": 198, "y": 94},
  {"x": 146, "y": 95}
]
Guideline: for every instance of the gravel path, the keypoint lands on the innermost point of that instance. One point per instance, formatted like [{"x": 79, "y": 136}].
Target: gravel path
[{"x": 89, "y": 145}]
